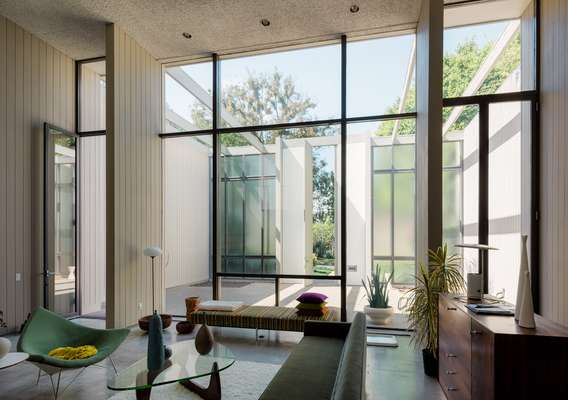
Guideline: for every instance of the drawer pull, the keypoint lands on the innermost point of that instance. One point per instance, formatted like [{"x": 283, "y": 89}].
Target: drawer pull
[
  {"x": 451, "y": 388},
  {"x": 450, "y": 372},
  {"x": 476, "y": 332},
  {"x": 451, "y": 355},
  {"x": 452, "y": 308}
]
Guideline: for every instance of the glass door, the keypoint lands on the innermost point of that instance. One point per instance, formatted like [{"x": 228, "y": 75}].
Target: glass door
[{"x": 60, "y": 220}]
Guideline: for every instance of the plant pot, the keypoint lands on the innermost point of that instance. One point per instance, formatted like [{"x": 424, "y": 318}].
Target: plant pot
[
  {"x": 144, "y": 322},
  {"x": 379, "y": 316},
  {"x": 430, "y": 363}
]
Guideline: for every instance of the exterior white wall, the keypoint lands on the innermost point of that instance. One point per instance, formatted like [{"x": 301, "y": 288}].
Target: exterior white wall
[
  {"x": 186, "y": 211},
  {"x": 92, "y": 209},
  {"x": 359, "y": 205},
  {"x": 293, "y": 222}
]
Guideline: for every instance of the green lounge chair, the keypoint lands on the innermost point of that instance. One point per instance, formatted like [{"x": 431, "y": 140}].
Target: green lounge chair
[{"x": 46, "y": 330}]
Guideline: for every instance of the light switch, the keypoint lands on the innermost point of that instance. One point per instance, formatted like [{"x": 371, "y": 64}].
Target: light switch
[
  {"x": 18, "y": 277},
  {"x": 352, "y": 268}
]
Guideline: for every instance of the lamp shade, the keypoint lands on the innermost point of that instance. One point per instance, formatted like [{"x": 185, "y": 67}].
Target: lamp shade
[{"x": 152, "y": 251}]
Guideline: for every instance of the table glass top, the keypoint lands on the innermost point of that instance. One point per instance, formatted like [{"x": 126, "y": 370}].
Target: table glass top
[{"x": 185, "y": 363}]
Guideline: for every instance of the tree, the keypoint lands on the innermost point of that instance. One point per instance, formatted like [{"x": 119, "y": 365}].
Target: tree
[
  {"x": 262, "y": 99},
  {"x": 323, "y": 192},
  {"x": 459, "y": 69}
]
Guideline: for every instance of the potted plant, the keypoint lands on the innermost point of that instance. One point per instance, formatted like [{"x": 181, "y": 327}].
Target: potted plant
[
  {"x": 443, "y": 275},
  {"x": 377, "y": 290}
]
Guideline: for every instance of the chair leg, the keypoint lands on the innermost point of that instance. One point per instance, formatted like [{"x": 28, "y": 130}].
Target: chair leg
[
  {"x": 54, "y": 388},
  {"x": 113, "y": 365},
  {"x": 38, "y": 376}
]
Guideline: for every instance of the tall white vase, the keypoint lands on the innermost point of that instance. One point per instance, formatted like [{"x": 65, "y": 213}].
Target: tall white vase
[
  {"x": 523, "y": 268},
  {"x": 524, "y": 309}
]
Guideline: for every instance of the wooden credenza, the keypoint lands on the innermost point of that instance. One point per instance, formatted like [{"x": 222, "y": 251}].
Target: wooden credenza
[{"x": 484, "y": 357}]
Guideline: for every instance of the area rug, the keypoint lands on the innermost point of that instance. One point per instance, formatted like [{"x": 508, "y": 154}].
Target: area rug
[{"x": 244, "y": 380}]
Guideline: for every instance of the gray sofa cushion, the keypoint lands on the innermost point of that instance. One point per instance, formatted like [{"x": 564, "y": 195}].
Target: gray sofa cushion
[
  {"x": 350, "y": 382},
  {"x": 309, "y": 372}
]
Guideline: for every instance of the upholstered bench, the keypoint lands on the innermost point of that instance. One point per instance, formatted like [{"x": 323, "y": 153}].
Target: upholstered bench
[{"x": 260, "y": 317}]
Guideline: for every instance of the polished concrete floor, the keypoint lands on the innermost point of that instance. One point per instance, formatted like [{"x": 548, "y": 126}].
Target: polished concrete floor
[{"x": 392, "y": 373}]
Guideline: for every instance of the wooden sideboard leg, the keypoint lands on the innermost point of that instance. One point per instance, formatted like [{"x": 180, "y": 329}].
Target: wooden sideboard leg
[{"x": 212, "y": 392}]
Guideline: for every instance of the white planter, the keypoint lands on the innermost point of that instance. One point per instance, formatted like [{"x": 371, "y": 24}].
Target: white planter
[
  {"x": 379, "y": 316},
  {"x": 4, "y": 346}
]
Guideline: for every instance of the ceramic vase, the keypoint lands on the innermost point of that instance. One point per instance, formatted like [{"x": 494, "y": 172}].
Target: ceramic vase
[
  {"x": 524, "y": 309},
  {"x": 5, "y": 346},
  {"x": 204, "y": 339},
  {"x": 156, "y": 352}
]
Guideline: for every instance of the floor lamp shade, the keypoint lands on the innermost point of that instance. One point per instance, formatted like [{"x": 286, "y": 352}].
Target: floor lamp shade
[{"x": 152, "y": 251}]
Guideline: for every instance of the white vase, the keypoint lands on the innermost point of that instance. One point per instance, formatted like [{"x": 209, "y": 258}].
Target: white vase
[
  {"x": 524, "y": 309},
  {"x": 379, "y": 316},
  {"x": 5, "y": 346},
  {"x": 523, "y": 270}
]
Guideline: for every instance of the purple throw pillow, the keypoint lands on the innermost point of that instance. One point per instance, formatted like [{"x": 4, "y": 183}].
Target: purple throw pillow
[{"x": 312, "y": 298}]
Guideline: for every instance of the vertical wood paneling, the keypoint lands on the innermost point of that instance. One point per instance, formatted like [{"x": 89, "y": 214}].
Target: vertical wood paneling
[
  {"x": 133, "y": 178},
  {"x": 35, "y": 80},
  {"x": 554, "y": 163}
]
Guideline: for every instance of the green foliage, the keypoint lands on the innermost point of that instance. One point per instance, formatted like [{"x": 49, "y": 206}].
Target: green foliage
[
  {"x": 442, "y": 276},
  {"x": 459, "y": 69},
  {"x": 323, "y": 192},
  {"x": 324, "y": 240},
  {"x": 377, "y": 288}
]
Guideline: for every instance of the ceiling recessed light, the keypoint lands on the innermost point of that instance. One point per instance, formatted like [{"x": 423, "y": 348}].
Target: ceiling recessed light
[
  {"x": 265, "y": 22},
  {"x": 354, "y": 8},
  {"x": 186, "y": 35}
]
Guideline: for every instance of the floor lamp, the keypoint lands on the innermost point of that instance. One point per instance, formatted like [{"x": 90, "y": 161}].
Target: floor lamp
[{"x": 153, "y": 252}]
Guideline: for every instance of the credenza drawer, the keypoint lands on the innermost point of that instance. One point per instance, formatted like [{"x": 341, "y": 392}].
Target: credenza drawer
[{"x": 454, "y": 371}]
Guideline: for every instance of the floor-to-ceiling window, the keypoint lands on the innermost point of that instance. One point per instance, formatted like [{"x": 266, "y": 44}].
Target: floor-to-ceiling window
[
  {"x": 273, "y": 123},
  {"x": 490, "y": 105}
]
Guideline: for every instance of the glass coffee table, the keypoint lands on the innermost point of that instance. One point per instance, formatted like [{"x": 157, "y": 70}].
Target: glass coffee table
[{"x": 184, "y": 364}]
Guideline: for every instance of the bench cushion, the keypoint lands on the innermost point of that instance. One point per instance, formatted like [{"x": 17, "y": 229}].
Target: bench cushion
[{"x": 309, "y": 372}]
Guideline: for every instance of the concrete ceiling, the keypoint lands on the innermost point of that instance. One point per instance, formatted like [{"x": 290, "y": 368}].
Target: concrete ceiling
[{"x": 76, "y": 27}]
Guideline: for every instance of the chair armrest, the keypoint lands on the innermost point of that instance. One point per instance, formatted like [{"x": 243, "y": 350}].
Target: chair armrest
[{"x": 327, "y": 329}]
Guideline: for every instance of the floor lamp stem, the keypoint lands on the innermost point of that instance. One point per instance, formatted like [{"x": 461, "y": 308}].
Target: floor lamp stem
[{"x": 153, "y": 303}]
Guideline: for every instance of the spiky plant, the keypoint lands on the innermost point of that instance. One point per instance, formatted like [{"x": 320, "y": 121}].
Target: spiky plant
[
  {"x": 445, "y": 270},
  {"x": 423, "y": 311},
  {"x": 377, "y": 289},
  {"x": 443, "y": 275}
]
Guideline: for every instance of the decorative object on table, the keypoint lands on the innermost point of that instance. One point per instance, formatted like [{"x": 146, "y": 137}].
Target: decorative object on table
[
  {"x": 490, "y": 309},
  {"x": 143, "y": 323},
  {"x": 46, "y": 330},
  {"x": 5, "y": 346},
  {"x": 476, "y": 282},
  {"x": 442, "y": 275},
  {"x": 156, "y": 353},
  {"x": 377, "y": 292},
  {"x": 73, "y": 353},
  {"x": 185, "y": 327},
  {"x": 204, "y": 340},
  {"x": 524, "y": 309},
  {"x": 311, "y": 304}
]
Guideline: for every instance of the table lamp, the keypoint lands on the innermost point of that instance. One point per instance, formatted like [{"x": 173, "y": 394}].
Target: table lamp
[{"x": 475, "y": 282}]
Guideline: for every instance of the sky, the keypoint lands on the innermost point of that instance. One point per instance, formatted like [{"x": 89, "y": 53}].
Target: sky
[{"x": 376, "y": 72}]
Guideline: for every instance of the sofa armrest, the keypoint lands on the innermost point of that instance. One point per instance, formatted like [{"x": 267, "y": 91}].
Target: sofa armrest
[{"x": 326, "y": 329}]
